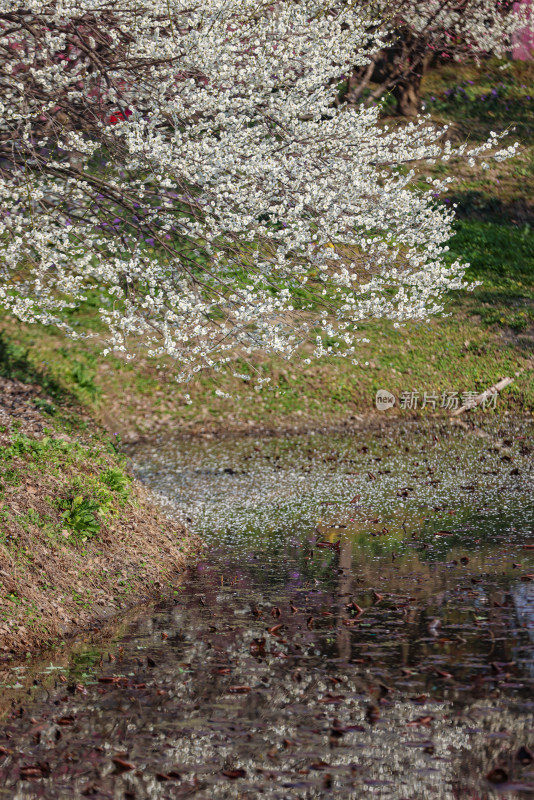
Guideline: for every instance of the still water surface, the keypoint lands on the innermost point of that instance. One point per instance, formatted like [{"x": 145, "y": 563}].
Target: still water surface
[{"x": 362, "y": 625}]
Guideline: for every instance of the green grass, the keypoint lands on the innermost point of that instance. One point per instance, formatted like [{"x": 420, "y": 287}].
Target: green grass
[
  {"x": 87, "y": 486},
  {"x": 474, "y": 101},
  {"x": 502, "y": 257},
  {"x": 496, "y": 96}
]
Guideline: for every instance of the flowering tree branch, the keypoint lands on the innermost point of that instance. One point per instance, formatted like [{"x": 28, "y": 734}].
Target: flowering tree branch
[
  {"x": 420, "y": 31},
  {"x": 186, "y": 165}
]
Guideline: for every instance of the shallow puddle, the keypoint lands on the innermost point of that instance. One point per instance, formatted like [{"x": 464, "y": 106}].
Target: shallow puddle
[{"x": 362, "y": 625}]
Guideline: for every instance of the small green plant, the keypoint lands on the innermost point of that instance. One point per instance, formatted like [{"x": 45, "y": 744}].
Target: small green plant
[
  {"x": 85, "y": 602},
  {"x": 44, "y": 406},
  {"x": 10, "y": 477},
  {"x": 84, "y": 378},
  {"x": 80, "y": 515},
  {"x": 33, "y": 517},
  {"x": 116, "y": 480}
]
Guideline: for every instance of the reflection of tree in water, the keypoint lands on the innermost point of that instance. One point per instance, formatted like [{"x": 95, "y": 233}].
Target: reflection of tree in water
[
  {"x": 523, "y": 597},
  {"x": 328, "y": 705},
  {"x": 418, "y": 695}
]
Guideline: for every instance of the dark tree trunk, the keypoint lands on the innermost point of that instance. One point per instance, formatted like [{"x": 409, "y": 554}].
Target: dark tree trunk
[
  {"x": 408, "y": 96},
  {"x": 398, "y": 69}
]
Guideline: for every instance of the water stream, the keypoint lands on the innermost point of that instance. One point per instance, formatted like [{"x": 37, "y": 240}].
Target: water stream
[{"x": 361, "y": 625}]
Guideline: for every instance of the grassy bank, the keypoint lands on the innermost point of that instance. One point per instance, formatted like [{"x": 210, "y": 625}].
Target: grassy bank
[{"x": 79, "y": 538}]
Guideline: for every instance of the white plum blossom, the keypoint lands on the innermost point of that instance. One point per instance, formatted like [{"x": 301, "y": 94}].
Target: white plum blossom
[
  {"x": 185, "y": 167},
  {"x": 419, "y": 32},
  {"x": 459, "y": 28}
]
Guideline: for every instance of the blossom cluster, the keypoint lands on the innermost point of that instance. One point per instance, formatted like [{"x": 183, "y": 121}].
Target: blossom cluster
[
  {"x": 456, "y": 28},
  {"x": 420, "y": 31},
  {"x": 188, "y": 167}
]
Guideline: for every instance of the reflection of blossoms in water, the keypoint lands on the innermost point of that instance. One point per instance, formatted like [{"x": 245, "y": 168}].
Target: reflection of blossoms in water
[
  {"x": 320, "y": 672},
  {"x": 226, "y": 694},
  {"x": 523, "y": 597}
]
